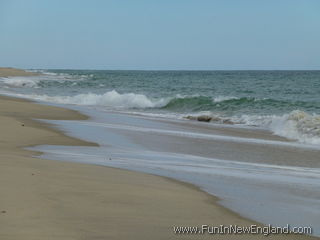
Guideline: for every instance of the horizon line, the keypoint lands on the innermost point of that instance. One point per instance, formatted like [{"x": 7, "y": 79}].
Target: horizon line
[{"x": 190, "y": 70}]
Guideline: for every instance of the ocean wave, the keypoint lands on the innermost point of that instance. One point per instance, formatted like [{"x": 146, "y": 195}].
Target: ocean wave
[
  {"x": 222, "y": 107},
  {"x": 223, "y": 98},
  {"x": 296, "y": 125},
  {"x": 111, "y": 99},
  {"x": 48, "y": 73},
  {"x": 44, "y": 81},
  {"x": 41, "y": 71},
  {"x": 224, "y": 103},
  {"x": 132, "y": 100},
  {"x": 19, "y": 82},
  {"x": 188, "y": 103}
]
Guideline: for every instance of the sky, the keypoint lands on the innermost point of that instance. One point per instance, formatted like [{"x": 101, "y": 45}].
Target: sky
[{"x": 160, "y": 34}]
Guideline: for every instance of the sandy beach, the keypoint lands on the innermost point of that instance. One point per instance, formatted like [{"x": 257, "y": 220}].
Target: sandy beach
[
  {"x": 14, "y": 72},
  {"x": 47, "y": 199}
]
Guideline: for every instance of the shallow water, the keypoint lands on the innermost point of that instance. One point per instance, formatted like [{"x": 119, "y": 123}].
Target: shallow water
[{"x": 269, "y": 193}]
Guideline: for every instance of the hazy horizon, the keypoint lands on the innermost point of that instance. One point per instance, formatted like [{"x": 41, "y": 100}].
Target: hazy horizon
[{"x": 191, "y": 70}]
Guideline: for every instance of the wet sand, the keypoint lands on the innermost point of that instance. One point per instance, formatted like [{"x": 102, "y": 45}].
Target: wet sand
[
  {"x": 252, "y": 171},
  {"x": 228, "y": 149},
  {"x": 43, "y": 199}
]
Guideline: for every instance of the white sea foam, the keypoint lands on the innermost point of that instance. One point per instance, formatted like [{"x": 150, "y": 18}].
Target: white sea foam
[
  {"x": 42, "y": 71},
  {"x": 223, "y": 98},
  {"x": 111, "y": 99},
  {"x": 297, "y": 125},
  {"x": 34, "y": 81},
  {"x": 19, "y": 82}
]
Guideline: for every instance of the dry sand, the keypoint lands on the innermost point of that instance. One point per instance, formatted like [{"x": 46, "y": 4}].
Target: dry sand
[{"x": 43, "y": 199}]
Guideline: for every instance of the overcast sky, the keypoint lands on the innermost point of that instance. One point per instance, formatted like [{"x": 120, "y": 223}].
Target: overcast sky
[{"x": 160, "y": 34}]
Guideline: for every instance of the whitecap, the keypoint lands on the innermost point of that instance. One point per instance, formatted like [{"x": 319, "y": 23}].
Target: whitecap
[
  {"x": 297, "y": 125},
  {"x": 223, "y": 98},
  {"x": 19, "y": 82},
  {"x": 111, "y": 99}
]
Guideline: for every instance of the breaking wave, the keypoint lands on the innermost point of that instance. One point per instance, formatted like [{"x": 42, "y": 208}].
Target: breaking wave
[
  {"x": 181, "y": 104},
  {"x": 19, "y": 82},
  {"x": 45, "y": 81},
  {"x": 296, "y": 125},
  {"x": 231, "y": 104},
  {"x": 111, "y": 99}
]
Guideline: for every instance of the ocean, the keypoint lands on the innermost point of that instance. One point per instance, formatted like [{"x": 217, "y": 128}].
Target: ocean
[
  {"x": 259, "y": 153},
  {"x": 285, "y": 102}
]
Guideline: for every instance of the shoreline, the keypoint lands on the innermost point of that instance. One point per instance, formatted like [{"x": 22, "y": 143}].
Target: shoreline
[
  {"x": 62, "y": 200},
  {"x": 8, "y": 233},
  {"x": 190, "y": 198},
  {"x": 264, "y": 185}
]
